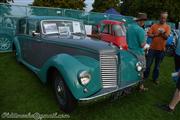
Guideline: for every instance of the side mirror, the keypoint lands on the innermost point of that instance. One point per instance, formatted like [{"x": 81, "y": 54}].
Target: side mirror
[
  {"x": 34, "y": 33},
  {"x": 114, "y": 33}
]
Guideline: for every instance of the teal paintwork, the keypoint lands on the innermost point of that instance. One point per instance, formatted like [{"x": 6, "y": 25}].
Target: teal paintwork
[
  {"x": 69, "y": 67},
  {"x": 85, "y": 57},
  {"x": 128, "y": 71},
  {"x": 18, "y": 49}
]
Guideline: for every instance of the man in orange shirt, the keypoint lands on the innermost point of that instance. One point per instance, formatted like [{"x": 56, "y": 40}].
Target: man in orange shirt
[{"x": 159, "y": 33}]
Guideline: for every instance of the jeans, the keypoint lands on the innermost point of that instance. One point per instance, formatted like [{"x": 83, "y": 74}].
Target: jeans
[
  {"x": 177, "y": 68},
  {"x": 151, "y": 56},
  {"x": 177, "y": 62}
]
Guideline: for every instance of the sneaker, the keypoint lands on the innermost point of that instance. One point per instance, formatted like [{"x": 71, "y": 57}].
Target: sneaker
[
  {"x": 156, "y": 82},
  {"x": 143, "y": 89},
  {"x": 166, "y": 108}
]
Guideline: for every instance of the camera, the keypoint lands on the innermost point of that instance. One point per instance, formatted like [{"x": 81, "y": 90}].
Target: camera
[{"x": 161, "y": 30}]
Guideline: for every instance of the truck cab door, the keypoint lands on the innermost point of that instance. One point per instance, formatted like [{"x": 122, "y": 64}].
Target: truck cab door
[
  {"x": 33, "y": 43},
  {"x": 105, "y": 32},
  {"x": 21, "y": 33}
]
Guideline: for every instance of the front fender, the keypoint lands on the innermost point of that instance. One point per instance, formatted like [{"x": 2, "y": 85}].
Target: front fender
[
  {"x": 69, "y": 67},
  {"x": 128, "y": 65}
]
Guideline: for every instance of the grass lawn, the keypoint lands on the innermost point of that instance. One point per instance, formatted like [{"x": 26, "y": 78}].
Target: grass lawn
[{"x": 22, "y": 92}]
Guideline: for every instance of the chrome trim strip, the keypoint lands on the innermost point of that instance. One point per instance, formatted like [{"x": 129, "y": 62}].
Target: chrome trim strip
[{"x": 108, "y": 68}]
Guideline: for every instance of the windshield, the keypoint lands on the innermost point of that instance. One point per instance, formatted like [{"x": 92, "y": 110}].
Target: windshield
[
  {"x": 120, "y": 30},
  {"x": 62, "y": 27}
]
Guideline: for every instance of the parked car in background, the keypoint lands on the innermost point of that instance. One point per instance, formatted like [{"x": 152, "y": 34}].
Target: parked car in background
[
  {"x": 7, "y": 32},
  {"x": 113, "y": 32},
  {"x": 80, "y": 68}
]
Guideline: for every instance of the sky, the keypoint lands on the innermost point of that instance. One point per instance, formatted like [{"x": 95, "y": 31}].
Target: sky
[
  {"x": 88, "y": 5},
  {"x": 26, "y": 2},
  {"x": 23, "y": 2}
]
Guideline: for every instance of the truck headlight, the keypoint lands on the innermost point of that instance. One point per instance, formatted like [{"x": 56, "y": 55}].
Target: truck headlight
[
  {"x": 84, "y": 77},
  {"x": 139, "y": 66}
]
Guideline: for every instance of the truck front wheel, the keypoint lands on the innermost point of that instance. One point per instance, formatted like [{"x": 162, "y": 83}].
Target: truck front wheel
[{"x": 64, "y": 97}]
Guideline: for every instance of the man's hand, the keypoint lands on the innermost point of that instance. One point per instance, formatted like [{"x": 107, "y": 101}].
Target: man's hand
[
  {"x": 156, "y": 34},
  {"x": 146, "y": 46},
  {"x": 159, "y": 34},
  {"x": 164, "y": 35}
]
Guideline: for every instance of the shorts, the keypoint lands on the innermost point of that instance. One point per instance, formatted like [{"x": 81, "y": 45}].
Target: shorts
[{"x": 142, "y": 59}]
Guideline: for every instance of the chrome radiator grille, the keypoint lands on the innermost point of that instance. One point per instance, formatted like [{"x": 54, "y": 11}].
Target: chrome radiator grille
[{"x": 108, "y": 65}]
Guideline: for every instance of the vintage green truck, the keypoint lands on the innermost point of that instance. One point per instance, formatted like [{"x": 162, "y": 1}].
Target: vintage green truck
[{"x": 80, "y": 68}]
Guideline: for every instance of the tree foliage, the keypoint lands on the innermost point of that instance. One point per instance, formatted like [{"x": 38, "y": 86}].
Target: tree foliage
[
  {"x": 71, "y": 4},
  {"x": 5, "y": 10},
  {"x": 103, "y": 5},
  {"x": 6, "y": 1},
  {"x": 152, "y": 8}
]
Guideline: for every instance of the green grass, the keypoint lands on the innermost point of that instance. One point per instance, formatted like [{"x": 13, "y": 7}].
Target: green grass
[{"x": 22, "y": 92}]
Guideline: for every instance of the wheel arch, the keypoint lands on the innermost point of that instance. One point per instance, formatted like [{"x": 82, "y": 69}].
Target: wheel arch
[
  {"x": 13, "y": 47},
  {"x": 49, "y": 74},
  {"x": 68, "y": 67},
  {"x": 16, "y": 47}
]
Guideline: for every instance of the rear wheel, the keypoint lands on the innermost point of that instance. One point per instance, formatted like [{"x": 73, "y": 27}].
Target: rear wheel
[
  {"x": 5, "y": 42},
  {"x": 14, "y": 52},
  {"x": 64, "y": 97}
]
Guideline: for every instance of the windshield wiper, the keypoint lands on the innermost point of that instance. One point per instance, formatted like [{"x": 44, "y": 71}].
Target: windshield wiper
[{"x": 78, "y": 33}]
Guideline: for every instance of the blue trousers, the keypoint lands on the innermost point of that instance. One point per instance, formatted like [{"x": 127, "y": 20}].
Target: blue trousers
[
  {"x": 177, "y": 68},
  {"x": 177, "y": 62},
  {"x": 157, "y": 56}
]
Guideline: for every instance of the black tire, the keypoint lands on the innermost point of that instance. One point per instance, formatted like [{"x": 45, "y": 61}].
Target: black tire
[
  {"x": 64, "y": 97},
  {"x": 14, "y": 52}
]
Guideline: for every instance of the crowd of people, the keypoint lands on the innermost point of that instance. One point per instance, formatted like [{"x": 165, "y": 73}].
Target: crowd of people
[{"x": 159, "y": 32}]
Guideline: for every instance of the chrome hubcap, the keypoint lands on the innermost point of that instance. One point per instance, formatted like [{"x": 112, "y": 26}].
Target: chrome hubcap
[
  {"x": 5, "y": 44},
  {"x": 60, "y": 92},
  {"x": 59, "y": 89}
]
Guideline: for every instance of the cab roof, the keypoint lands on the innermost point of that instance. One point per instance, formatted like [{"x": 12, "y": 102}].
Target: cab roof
[{"x": 49, "y": 18}]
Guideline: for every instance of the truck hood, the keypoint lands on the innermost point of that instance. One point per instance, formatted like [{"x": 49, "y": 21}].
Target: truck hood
[{"x": 81, "y": 42}]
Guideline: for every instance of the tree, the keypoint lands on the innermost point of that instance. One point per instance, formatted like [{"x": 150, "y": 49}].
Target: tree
[
  {"x": 103, "y": 5},
  {"x": 71, "y": 4},
  {"x": 6, "y": 1},
  {"x": 152, "y": 8},
  {"x": 5, "y": 9}
]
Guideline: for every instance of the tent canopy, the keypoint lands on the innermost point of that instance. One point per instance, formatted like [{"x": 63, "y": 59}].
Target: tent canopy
[{"x": 112, "y": 11}]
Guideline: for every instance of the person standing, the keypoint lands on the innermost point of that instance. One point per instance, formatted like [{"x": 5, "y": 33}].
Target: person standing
[
  {"x": 136, "y": 40},
  {"x": 176, "y": 99},
  {"x": 177, "y": 53},
  {"x": 159, "y": 33}
]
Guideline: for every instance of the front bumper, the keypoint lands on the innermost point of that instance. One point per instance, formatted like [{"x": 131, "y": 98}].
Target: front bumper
[{"x": 104, "y": 93}]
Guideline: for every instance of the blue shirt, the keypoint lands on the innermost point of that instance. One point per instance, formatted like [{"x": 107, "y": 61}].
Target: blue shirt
[
  {"x": 135, "y": 38},
  {"x": 178, "y": 45}
]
